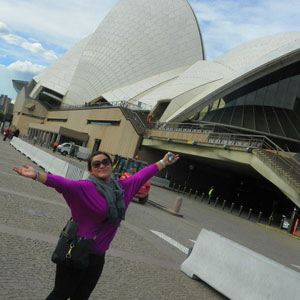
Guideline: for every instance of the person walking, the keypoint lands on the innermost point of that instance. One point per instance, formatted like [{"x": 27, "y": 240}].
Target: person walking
[
  {"x": 92, "y": 201},
  {"x": 6, "y": 134},
  {"x": 210, "y": 193},
  {"x": 16, "y": 132},
  {"x": 55, "y": 145}
]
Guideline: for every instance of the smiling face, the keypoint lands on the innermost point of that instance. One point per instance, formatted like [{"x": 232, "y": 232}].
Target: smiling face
[{"x": 101, "y": 170}]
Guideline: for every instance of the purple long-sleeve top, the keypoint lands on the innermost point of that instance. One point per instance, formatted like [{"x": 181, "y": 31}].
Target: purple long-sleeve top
[{"x": 89, "y": 208}]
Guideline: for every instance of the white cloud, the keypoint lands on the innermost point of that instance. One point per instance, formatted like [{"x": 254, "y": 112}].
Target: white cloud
[
  {"x": 60, "y": 23},
  {"x": 34, "y": 47},
  {"x": 25, "y": 67},
  {"x": 38, "y": 49},
  {"x": 225, "y": 24},
  {"x": 12, "y": 39},
  {"x": 3, "y": 28}
]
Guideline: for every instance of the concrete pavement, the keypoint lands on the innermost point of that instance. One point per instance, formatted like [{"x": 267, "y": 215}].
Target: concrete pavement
[{"x": 138, "y": 265}]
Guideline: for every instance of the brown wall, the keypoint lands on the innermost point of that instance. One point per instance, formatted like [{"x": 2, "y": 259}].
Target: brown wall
[
  {"x": 21, "y": 119},
  {"x": 122, "y": 139}
]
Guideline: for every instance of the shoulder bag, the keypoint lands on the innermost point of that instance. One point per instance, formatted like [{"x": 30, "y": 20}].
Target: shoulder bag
[{"x": 73, "y": 250}]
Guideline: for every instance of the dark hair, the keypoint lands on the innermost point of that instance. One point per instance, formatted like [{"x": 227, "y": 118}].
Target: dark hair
[{"x": 95, "y": 154}]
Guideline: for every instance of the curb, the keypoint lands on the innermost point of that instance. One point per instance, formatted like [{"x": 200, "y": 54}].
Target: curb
[{"x": 278, "y": 230}]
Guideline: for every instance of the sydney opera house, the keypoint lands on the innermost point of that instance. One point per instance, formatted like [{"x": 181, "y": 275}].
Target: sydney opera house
[{"x": 141, "y": 85}]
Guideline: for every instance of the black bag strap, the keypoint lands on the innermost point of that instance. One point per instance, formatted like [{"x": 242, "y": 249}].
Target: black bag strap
[{"x": 100, "y": 229}]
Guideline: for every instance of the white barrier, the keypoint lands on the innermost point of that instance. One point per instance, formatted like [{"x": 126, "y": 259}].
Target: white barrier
[
  {"x": 43, "y": 159},
  {"x": 238, "y": 272}
]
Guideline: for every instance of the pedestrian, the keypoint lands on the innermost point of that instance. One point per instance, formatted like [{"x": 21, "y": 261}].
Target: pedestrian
[
  {"x": 16, "y": 132},
  {"x": 210, "y": 193},
  {"x": 72, "y": 151},
  {"x": 6, "y": 134},
  {"x": 55, "y": 145},
  {"x": 91, "y": 202}
]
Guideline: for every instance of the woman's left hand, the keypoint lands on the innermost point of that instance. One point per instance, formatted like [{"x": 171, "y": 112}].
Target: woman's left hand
[{"x": 170, "y": 158}]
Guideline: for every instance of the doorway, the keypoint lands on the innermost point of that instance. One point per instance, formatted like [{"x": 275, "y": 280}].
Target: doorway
[{"x": 96, "y": 145}]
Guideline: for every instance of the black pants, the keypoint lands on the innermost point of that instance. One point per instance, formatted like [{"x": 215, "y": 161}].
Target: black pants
[{"x": 77, "y": 284}]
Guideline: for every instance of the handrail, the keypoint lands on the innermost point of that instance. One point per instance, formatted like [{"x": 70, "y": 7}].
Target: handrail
[
  {"x": 134, "y": 119},
  {"x": 141, "y": 106},
  {"x": 282, "y": 158}
]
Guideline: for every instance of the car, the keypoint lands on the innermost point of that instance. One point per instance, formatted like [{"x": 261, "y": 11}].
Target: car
[
  {"x": 65, "y": 148},
  {"x": 287, "y": 219}
]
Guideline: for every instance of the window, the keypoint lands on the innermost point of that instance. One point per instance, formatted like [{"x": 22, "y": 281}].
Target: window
[
  {"x": 32, "y": 116},
  {"x": 56, "y": 120},
  {"x": 103, "y": 123}
]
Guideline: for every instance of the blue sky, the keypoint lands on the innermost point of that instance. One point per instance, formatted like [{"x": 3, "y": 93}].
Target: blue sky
[{"x": 35, "y": 33}]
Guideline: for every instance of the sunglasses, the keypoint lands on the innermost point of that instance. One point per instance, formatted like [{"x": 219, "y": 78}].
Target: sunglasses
[{"x": 96, "y": 164}]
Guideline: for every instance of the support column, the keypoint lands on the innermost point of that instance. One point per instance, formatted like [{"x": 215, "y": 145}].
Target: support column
[{"x": 58, "y": 137}]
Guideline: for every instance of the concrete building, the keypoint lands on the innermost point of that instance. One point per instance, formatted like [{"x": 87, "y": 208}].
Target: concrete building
[
  {"x": 140, "y": 84},
  {"x": 6, "y": 112}
]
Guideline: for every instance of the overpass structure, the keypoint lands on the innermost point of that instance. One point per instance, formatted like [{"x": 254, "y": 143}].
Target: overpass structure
[{"x": 259, "y": 152}]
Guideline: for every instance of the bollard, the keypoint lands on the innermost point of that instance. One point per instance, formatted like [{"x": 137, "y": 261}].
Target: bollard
[
  {"x": 178, "y": 190},
  {"x": 190, "y": 192},
  {"x": 281, "y": 223},
  {"x": 250, "y": 212},
  {"x": 174, "y": 186},
  {"x": 216, "y": 202},
  {"x": 184, "y": 189},
  {"x": 241, "y": 209},
  {"x": 259, "y": 217},
  {"x": 223, "y": 205},
  {"x": 208, "y": 202},
  {"x": 270, "y": 220},
  {"x": 296, "y": 225},
  {"x": 202, "y": 196},
  {"x": 196, "y": 194},
  {"x": 232, "y": 206},
  {"x": 177, "y": 204},
  {"x": 292, "y": 221}
]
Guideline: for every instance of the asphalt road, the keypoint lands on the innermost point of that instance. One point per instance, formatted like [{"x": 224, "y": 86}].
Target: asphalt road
[{"x": 139, "y": 265}]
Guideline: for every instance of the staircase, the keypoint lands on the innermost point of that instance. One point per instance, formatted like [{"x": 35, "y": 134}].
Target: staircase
[
  {"x": 286, "y": 167},
  {"x": 135, "y": 120}
]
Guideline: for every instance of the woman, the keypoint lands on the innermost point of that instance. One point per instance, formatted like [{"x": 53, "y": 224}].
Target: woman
[{"x": 92, "y": 202}]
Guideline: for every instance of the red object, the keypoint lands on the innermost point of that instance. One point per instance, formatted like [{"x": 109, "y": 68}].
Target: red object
[
  {"x": 295, "y": 228},
  {"x": 148, "y": 119},
  {"x": 143, "y": 191}
]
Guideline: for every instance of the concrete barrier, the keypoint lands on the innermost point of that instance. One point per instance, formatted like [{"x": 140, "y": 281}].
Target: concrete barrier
[
  {"x": 48, "y": 162},
  {"x": 161, "y": 182},
  {"x": 238, "y": 272}
]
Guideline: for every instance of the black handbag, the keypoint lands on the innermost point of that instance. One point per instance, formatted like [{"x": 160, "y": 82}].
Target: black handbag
[{"x": 71, "y": 249}]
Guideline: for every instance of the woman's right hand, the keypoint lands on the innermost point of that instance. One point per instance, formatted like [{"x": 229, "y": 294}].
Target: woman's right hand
[{"x": 26, "y": 171}]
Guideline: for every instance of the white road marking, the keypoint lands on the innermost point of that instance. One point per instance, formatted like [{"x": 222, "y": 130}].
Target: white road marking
[
  {"x": 193, "y": 241},
  {"x": 295, "y": 266},
  {"x": 171, "y": 241}
]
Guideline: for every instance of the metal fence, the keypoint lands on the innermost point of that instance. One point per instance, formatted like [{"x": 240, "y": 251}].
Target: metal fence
[{"x": 75, "y": 170}]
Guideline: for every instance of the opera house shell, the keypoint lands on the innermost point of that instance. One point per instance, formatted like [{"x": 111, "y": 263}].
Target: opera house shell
[
  {"x": 151, "y": 53},
  {"x": 147, "y": 58}
]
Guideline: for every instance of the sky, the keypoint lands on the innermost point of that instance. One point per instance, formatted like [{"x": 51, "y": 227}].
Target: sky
[{"x": 35, "y": 33}]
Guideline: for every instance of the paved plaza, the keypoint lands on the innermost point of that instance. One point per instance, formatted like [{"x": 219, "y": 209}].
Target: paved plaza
[{"x": 139, "y": 264}]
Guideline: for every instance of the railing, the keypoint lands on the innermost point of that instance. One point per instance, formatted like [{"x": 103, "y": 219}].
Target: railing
[
  {"x": 135, "y": 120},
  {"x": 140, "y": 106},
  {"x": 199, "y": 127},
  {"x": 282, "y": 162}
]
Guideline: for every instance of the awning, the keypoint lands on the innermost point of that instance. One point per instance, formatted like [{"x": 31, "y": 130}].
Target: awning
[{"x": 81, "y": 136}]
